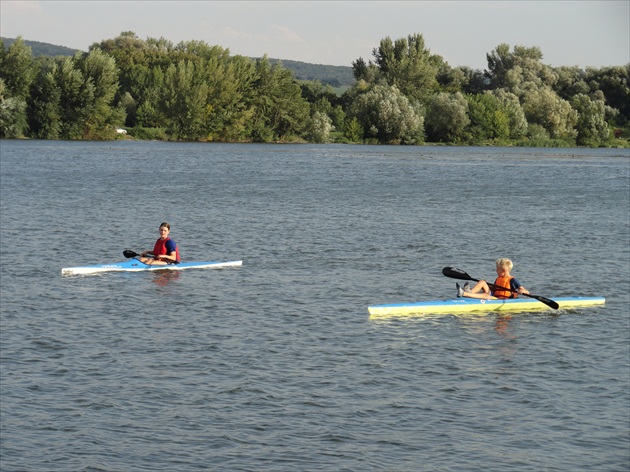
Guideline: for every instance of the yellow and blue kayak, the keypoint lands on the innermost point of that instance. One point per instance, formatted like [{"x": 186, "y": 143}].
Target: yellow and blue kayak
[
  {"x": 134, "y": 265},
  {"x": 473, "y": 305}
]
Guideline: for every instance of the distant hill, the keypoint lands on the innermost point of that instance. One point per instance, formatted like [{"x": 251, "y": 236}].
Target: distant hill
[
  {"x": 43, "y": 49},
  {"x": 335, "y": 76}
]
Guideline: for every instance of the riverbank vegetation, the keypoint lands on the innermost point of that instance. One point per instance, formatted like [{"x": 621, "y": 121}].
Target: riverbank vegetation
[{"x": 128, "y": 88}]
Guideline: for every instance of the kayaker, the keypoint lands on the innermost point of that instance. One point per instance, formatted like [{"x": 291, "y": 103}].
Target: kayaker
[
  {"x": 165, "y": 250},
  {"x": 504, "y": 279}
]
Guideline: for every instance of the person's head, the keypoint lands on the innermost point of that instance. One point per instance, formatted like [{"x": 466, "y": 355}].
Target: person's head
[
  {"x": 504, "y": 265},
  {"x": 165, "y": 228}
]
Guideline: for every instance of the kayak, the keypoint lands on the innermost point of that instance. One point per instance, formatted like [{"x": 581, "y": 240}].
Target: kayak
[
  {"x": 474, "y": 305},
  {"x": 134, "y": 265}
]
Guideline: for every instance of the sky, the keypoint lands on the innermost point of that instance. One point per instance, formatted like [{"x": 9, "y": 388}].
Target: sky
[{"x": 568, "y": 32}]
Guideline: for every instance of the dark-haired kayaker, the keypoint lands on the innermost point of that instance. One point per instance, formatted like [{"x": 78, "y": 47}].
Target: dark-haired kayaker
[{"x": 164, "y": 251}]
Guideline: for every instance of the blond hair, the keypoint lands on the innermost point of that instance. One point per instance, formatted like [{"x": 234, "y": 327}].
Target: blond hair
[{"x": 505, "y": 264}]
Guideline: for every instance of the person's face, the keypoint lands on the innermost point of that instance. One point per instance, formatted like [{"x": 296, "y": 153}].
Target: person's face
[
  {"x": 164, "y": 232},
  {"x": 501, "y": 271}
]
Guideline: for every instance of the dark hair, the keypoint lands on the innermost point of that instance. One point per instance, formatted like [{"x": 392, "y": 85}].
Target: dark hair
[{"x": 166, "y": 224}]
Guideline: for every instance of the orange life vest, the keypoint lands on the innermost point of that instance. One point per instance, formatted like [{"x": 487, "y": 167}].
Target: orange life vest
[{"x": 503, "y": 282}]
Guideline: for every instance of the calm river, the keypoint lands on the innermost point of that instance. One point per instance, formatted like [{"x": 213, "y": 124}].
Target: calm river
[{"x": 276, "y": 365}]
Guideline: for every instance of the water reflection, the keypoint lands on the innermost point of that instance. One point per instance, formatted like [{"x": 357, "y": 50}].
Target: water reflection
[
  {"x": 503, "y": 327},
  {"x": 165, "y": 277}
]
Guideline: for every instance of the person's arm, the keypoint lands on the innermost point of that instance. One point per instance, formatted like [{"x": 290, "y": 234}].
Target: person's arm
[
  {"x": 172, "y": 257},
  {"x": 516, "y": 285},
  {"x": 171, "y": 252}
]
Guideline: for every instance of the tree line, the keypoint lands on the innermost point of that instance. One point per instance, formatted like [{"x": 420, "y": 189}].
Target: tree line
[{"x": 193, "y": 91}]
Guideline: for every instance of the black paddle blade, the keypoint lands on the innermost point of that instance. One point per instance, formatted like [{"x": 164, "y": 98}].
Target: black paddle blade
[
  {"x": 546, "y": 301},
  {"x": 455, "y": 273},
  {"x": 129, "y": 254}
]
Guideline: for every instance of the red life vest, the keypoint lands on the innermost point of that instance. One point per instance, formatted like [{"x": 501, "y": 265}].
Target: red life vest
[
  {"x": 504, "y": 282},
  {"x": 160, "y": 248}
]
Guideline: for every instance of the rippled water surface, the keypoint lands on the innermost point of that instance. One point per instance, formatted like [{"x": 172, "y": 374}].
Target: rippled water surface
[{"x": 277, "y": 365}]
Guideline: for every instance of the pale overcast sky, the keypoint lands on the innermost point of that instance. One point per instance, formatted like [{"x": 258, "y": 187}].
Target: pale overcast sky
[{"x": 569, "y": 33}]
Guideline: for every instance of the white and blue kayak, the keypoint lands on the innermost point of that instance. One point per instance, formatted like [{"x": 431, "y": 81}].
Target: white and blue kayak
[
  {"x": 134, "y": 265},
  {"x": 474, "y": 305}
]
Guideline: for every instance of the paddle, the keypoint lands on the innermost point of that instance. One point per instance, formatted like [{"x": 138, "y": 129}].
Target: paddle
[
  {"x": 455, "y": 273},
  {"x": 129, "y": 254}
]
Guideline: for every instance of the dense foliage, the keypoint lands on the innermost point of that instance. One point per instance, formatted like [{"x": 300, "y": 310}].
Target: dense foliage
[{"x": 404, "y": 95}]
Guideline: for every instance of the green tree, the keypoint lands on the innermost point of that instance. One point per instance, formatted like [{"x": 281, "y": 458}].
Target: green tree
[
  {"x": 130, "y": 107},
  {"x": 544, "y": 107},
  {"x": 17, "y": 69},
  {"x": 229, "y": 107},
  {"x": 591, "y": 125},
  {"x": 314, "y": 92},
  {"x": 353, "y": 131},
  {"x": 447, "y": 117},
  {"x": 338, "y": 117},
  {"x": 76, "y": 99},
  {"x": 101, "y": 76},
  {"x": 365, "y": 71},
  {"x": 388, "y": 116},
  {"x": 141, "y": 67},
  {"x": 45, "y": 106},
  {"x": 453, "y": 80},
  {"x": 511, "y": 105},
  {"x": 146, "y": 92},
  {"x": 323, "y": 99},
  {"x": 280, "y": 112},
  {"x": 468, "y": 80},
  {"x": 320, "y": 127},
  {"x": 184, "y": 101},
  {"x": 408, "y": 65},
  {"x": 571, "y": 81},
  {"x": 488, "y": 118},
  {"x": 12, "y": 115},
  {"x": 518, "y": 71},
  {"x": 614, "y": 83},
  {"x": 500, "y": 61},
  {"x": 128, "y": 50},
  {"x": 72, "y": 99},
  {"x": 535, "y": 132}
]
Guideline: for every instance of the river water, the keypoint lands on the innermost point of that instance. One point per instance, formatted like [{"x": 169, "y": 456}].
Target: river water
[{"x": 276, "y": 365}]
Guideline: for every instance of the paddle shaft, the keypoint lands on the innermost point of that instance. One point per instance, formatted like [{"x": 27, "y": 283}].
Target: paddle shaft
[{"x": 130, "y": 254}]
